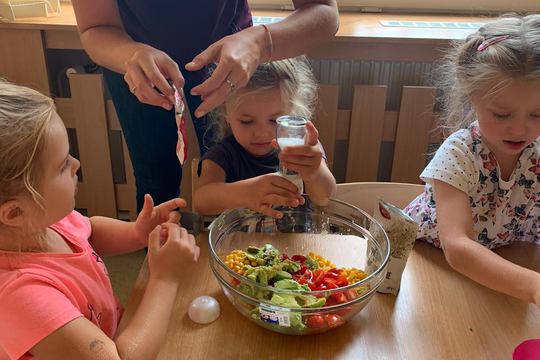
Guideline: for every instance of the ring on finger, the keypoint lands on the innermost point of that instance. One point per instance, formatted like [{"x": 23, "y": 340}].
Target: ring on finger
[
  {"x": 232, "y": 86},
  {"x": 132, "y": 89}
]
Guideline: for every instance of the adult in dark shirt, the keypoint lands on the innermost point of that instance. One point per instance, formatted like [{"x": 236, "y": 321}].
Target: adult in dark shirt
[{"x": 142, "y": 44}]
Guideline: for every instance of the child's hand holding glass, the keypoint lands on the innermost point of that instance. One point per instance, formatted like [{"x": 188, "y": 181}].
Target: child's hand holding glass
[
  {"x": 263, "y": 192},
  {"x": 304, "y": 159}
]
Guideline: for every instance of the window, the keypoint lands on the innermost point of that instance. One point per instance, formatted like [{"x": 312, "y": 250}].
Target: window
[{"x": 477, "y": 6}]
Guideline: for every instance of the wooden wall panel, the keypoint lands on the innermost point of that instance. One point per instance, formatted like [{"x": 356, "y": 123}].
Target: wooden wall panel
[
  {"x": 22, "y": 59},
  {"x": 343, "y": 125},
  {"x": 62, "y": 39},
  {"x": 125, "y": 193},
  {"x": 325, "y": 119},
  {"x": 414, "y": 123},
  {"x": 367, "y": 121},
  {"x": 92, "y": 136},
  {"x": 64, "y": 108}
]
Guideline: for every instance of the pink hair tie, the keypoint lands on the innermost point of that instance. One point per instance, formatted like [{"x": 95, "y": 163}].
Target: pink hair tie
[{"x": 494, "y": 40}]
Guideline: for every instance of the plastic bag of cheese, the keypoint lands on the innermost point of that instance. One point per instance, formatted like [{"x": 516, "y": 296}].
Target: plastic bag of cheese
[{"x": 401, "y": 231}]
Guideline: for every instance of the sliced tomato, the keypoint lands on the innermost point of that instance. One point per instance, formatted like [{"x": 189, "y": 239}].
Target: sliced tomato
[
  {"x": 318, "y": 276},
  {"x": 351, "y": 294},
  {"x": 299, "y": 258},
  {"x": 342, "y": 281},
  {"x": 330, "y": 274},
  {"x": 339, "y": 297},
  {"x": 335, "y": 271},
  {"x": 303, "y": 269},
  {"x": 315, "y": 322},
  {"x": 328, "y": 281},
  {"x": 331, "y": 285},
  {"x": 333, "y": 320}
]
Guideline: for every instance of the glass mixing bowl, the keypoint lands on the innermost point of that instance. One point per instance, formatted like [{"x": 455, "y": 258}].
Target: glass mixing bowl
[{"x": 338, "y": 232}]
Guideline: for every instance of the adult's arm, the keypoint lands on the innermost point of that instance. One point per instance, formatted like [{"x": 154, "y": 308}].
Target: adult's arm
[{"x": 312, "y": 23}]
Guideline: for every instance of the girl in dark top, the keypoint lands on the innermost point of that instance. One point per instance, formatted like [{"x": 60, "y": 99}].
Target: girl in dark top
[
  {"x": 141, "y": 44},
  {"x": 240, "y": 171}
]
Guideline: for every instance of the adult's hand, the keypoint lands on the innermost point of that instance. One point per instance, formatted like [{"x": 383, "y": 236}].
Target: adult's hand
[
  {"x": 237, "y": 57},
  {"x": 147, "y": 72}
]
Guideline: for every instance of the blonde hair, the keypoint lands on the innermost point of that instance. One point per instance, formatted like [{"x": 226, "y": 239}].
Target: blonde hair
[
  {"x": 25, "y": 115},
  {"x": 292, "y": 76},
  {"x": 513, "y": 54}
]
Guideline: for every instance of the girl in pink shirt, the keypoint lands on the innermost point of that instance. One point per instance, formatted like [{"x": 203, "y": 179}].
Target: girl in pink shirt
[{"x": 55, "y": 295}]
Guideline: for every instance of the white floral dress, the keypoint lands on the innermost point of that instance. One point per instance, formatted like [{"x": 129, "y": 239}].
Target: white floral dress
[{"x": 503, "y": 211}]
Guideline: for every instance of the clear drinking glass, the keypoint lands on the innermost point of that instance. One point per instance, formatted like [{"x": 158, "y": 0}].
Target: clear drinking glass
[{"x": 290, "y": 131}]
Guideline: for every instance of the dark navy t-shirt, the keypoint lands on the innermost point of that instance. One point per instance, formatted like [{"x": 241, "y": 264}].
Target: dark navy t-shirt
[
  {"x": 237, "y": 163},
  {"x": 183, "y": 28}
]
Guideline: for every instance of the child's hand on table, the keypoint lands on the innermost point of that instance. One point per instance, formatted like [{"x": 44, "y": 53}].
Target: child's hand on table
[
  {"x": 268, "y": 190},
  {"x": 152, "y": 216},
  {"x": 305, "y": 159}
]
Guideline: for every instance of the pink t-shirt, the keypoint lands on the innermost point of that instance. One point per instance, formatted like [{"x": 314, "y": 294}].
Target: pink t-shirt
[{"x": 41, "y": 292}]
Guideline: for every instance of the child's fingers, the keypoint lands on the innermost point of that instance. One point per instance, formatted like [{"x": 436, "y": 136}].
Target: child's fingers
[
  {"x": 196, "y": 253},
  {"x": 283, "y": 183},
  {"x": 148, "y": 206},
  {"x": 267, "y": 210},
  {"x": 164, "y": 233},
  {"x": 275, "y": 199},
  {"x": 154, "y": 242},
  {"x": 174, "y": 217},
  {"x": 301, "y": 151},
  {"x": 171, "y": 205},
  {"x": 191, "y": 240},
  {"x": 312, "y": 137},
  {"x": 285, "y": 193}
]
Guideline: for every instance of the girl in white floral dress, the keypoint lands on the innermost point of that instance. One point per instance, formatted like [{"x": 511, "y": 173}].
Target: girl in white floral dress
[{"x": 483, "y": 184}]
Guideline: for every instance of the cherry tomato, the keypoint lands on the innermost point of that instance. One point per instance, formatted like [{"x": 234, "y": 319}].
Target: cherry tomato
[
  {"x": 333, "y": 320},
  {"x": 315, "y": 322}
]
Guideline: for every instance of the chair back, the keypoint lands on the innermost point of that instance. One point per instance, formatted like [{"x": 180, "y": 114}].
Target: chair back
[{"x": 365, "y": 194}]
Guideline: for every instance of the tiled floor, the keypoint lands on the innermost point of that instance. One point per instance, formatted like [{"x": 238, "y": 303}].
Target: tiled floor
[{"x": 123, "y": 271}]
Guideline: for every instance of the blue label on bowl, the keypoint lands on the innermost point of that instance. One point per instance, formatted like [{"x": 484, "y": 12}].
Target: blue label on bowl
[{"x": 274, "y": 316}]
